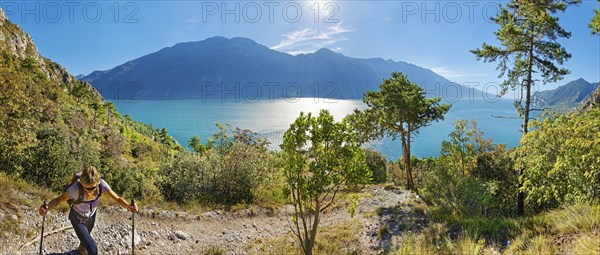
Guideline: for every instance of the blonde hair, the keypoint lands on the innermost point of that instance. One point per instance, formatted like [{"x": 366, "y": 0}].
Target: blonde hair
[{"x": 90, "y": 175}]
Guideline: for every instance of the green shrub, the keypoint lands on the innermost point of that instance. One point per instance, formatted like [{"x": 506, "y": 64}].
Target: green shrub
[
  {"x": 376, "y": 162},
  {"x": 472, "y": 176},
  {"x": 131, "y": 181},
  {"x": 49, "y": 163},
  {"x": 560, "y": 158},
  {"x": 232, "y": 168}
]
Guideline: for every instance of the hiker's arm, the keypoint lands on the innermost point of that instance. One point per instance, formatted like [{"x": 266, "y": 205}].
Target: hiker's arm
[
  {"x": 54, "y": 202},
  {"x": 122, "y": 202}
]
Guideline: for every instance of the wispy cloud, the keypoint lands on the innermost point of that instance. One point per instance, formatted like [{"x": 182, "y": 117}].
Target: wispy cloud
[
  {"x": 309, "y": 40},
  {"x": 192, "y": 21},
  {"x": 451, "y": 73}
]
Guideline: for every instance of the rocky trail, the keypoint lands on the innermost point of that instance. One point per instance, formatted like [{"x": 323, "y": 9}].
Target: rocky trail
[{"x": 168, "y": 232}]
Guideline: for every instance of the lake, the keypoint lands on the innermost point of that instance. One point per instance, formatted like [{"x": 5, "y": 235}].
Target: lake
[{"x": 271, "y": 118}]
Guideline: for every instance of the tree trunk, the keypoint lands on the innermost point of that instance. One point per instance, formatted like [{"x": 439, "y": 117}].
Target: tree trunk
[
  {"x": 310, "y": 243},
  {"x": 406, "y": 161},
  {"x": 521, "y": 196}
]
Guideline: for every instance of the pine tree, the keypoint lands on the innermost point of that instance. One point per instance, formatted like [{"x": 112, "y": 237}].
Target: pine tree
[
  {"x": 530, "y": 50},
  {"x": 595, "y": 23},
  {"x": 400, "y": 109}
]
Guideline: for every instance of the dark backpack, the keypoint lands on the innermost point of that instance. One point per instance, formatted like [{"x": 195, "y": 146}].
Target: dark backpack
[{"x": 79, "y": 200}]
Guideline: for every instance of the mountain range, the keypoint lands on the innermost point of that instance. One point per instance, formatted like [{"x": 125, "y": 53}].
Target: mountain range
[
  {"x": 239, "y": 68},
  {"x": 566, "y": 97}
]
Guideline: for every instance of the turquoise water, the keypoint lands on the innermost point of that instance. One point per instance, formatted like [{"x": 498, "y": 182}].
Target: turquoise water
[{"x": 270, "y": 119}]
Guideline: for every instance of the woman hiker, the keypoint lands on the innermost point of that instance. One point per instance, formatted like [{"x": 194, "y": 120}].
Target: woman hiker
[{"x": 83, "y": 197}]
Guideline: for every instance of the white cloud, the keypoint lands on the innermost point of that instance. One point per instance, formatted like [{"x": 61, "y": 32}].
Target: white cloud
[
  {"x": 451, "y": 73},
  {"x": 309, "y": 40}
]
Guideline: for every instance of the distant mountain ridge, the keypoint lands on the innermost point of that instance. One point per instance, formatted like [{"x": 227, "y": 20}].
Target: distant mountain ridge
[
  {"x": 567, "y": 97},
  {"x": 239, "y": 68}
]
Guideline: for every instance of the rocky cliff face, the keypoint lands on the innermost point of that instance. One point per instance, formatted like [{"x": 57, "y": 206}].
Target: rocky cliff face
[{"x": 2, "y": 16}]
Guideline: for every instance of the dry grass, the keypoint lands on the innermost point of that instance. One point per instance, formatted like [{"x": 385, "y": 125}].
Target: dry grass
[
  {"x": 574, "y": 219},
  {"x": 343, "y": 238}
]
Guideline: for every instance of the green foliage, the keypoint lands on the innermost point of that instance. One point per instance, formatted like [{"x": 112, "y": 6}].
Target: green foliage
[
  {"x": 129, "y": 181},
  {"x": 398, "y": 109},
  {"x": 562, "y": 156},
  {"x": 595, "y": 22},
  {"x": 377, "y": 164},
  {"x": 229, "y": 172},
  {"x": 528, "y": 33},
  {"x": 472, "y": 176},
  {"x": 196, "y": 145},
  {"x": 322, "y": 159},
  {"x": 49, "y": 163},
  {"x": 493, "y": 229}
]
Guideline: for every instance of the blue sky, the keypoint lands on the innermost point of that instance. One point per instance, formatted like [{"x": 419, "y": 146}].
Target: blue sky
[{"x": 85, "y": 36}]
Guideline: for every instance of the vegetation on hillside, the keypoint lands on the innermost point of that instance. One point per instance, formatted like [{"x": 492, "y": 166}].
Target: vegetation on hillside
[{"x": 52, "y": 125}]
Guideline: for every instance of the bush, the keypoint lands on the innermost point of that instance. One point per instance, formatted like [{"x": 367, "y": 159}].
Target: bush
[
  {"x": 472, "y": 176},
  {"x": 49, "y": 163},
  {"x": 560, "y": 158},
  {"x": 229, "y": 171},
  {"x": 131, "y": 181},
  {"x": 376, "y": 162}
]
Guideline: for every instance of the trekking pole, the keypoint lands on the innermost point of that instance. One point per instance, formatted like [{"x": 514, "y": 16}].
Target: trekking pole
[
  {"x": 132, "y": 229},
  {"x": 43, "y": 220}
]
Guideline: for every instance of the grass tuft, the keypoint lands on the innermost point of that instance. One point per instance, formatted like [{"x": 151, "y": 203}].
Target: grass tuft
[{"x": 574, "y": 219}]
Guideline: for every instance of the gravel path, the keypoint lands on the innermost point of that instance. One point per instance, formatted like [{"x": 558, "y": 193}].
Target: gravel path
[{"x": 168, "y": 232}]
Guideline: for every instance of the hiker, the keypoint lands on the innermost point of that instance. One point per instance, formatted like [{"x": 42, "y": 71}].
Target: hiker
[{"x": 83, "y": 198}]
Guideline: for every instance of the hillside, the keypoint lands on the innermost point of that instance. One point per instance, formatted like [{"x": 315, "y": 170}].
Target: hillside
[
  {"x": 566, "y": 97},
  {"x": 51, "y": 124},
  {"x": 218, "y": 67},
  {"x": 592, "y": 102}
]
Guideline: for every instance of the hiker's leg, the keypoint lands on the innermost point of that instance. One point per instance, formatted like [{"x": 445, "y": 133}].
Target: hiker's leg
[{"x": 83, "y": 234}]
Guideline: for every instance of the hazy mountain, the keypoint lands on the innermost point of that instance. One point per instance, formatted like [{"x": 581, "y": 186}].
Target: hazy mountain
[
  {"x": 239, "y": 68},
  {"x": 566, "y": 97}
]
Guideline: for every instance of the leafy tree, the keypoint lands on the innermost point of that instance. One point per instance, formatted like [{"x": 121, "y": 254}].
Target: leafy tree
[
  {"x": 400, "y": 109},
  {"x": 562, "y": 160},
  {"x": 322, "y": 158},
  {"x": 595, "y": 23},
  {"x": 529, "y": 36}
]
